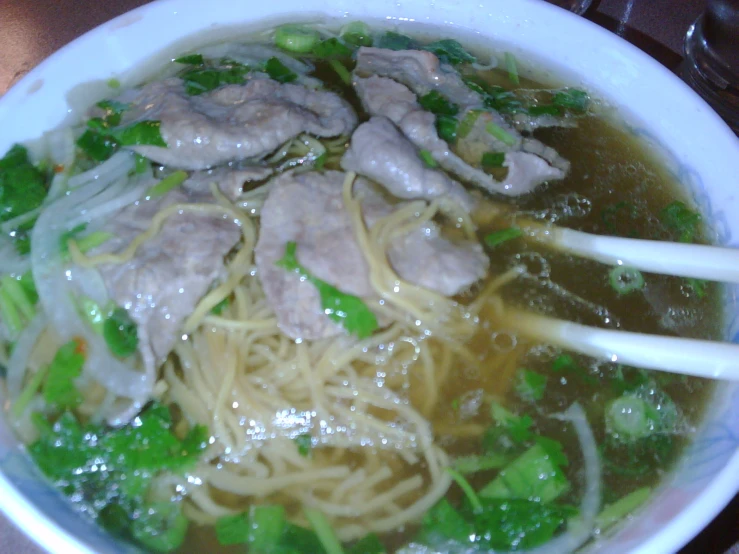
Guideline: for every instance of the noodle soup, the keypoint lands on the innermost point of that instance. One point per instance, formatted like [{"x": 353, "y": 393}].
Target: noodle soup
[{"x": 261, "y": 300}]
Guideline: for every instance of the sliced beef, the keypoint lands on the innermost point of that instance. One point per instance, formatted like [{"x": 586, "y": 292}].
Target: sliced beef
[
  {"x": 379, "y": 151},
  {"x": 169, "y": 273},
  {"x": 419, "y": 70},
  {"x": 233, "y": 122},
  {"x": 229, "y": 181},
  {"x": 308, "y": 209},
  {"x": 386, "y": 97}
]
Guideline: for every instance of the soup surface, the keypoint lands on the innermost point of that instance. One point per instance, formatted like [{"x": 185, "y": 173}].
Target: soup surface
[{"x": 266, "y": 302}]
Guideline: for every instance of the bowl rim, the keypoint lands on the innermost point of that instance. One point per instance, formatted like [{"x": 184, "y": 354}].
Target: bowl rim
[{"x": 47, "y": 533}]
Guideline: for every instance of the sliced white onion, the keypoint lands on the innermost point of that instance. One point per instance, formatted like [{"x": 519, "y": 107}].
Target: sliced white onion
[
  {"x": 117, "y": 167},
  {"x": 18, "y": 362},
  {"x": 10, "y": 261}
]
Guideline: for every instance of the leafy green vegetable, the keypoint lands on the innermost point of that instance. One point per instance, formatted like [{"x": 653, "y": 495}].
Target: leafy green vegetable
[
  {"x": 279, "y": 71},
  {"x": 141, "y": 133},
  {"x": 572, "y": 99},
  {"x": 535, "y": 475},
  {"x": 120, "y": 333},
  {"x": 395, "y": 41},
  {"x": 369, "y": 544},
  {"x": 160, "y": 527},
  {"x": 267, "y": 524},
  {"x": 113, "y": 111},
  {"x": 625, "y": 279},
  {"x": 233, "y": 529},
  {"x": 682, "y": 220},
  {"x": 497, "y": 238},
  {"x": 629, "y": 416},
  {"x": 517, "y": 427},
  {"x": 17, "y": 301},
  {"x": 427, "y": 158},
  {"x": 512, "y": 68},
  {"x": 492, "y": 160},
  {"x": 466, "y": 488},
  {"x": 323, "y": 530},
  {"x": 92, "y": 313},
  {"x": 450, "y": 51},
  {"x": 22, "y": 185},
  {"x": 59, "y": 389},
  {"x": 142, "y": 164},
  {"x": 444, "y": 521},
  {"x": 516, "y": 524},
  {"x": 222, "y": 305},
  {"x": 304, "y": 444},
  {"x": 28, "y": 392},
  {"x": 357, "y": 34},
  {"x": 97, "y": 146},
  {"x": 350, "y": 311},
  {"x": 108, "y": 471},
  {"x": 296, "y": 38},
  {"x": 530, "y": 386},
  {"x": 564, "y": 363},
  {"x": 544, "y": 109},
  {"x": 332, "y": 48},
  {"x": 192, "y": 59},
  {"x": 698, "y": 286},
  {"x": 446, "y": 126},
  {"x": 438, "y": 104},
  {"x": 204, "y": 79},
  {"x": 299, "y": 539}
]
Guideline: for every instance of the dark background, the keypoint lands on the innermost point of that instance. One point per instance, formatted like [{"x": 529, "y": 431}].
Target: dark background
[{"x": 30, "y": 30}]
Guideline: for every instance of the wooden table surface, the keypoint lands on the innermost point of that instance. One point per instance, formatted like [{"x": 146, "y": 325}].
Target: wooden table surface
[{"x": 30, "y": 30}]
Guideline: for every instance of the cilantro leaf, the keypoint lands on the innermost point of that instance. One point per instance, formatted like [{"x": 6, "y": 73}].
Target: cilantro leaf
[
  {"x": 304, "y": 444},
  {"x": 191, "y": 59},
  {"x": 369, "y": 544},
  {"x": 679, "y": 218},
  {"x": 59, "y": 390},
  {"x": 572, "y": 99},
  {"x": 22, "y": 185},
  {"x": 348, "y": 310},
  {"x": 141, "y": 133},
  {"x": 438, "y": 104},
  {"x": 450, "y": 51},
  {"x": 97, "y": 146},
  {"x": 233, "y": 529},
  {"x": 204, "y": 79},
  {"x": 120, "y": 333},
  {"x": 160, "y": 527},
  {"x": 530, "y": 385},
  {"x": 279, "y": 71},
  {"x": 395, "y": 41}
]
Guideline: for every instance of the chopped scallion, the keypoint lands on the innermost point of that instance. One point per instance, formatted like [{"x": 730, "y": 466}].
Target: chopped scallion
[
  {"x": 504, "y": 235},
  {"x": 466, "y": 488},
  {"x": 468, "y": 123},
  {"x": 427, "y": 158},
  {"x": 501, "y": 134},
  {"x": 356, "y": 33},
  {"x": 120, "y": 333},
  {"x": 512, "y": 68},
  {"x": 295, "y": 38},
  {"x": 492, "y": 160},
  {"x": 629, "y": 416},
  {"x": 625, "y": 279},
  {"x": 168, "y": 183},
  {"x": 615, "y": 512},
  {"x": 341, "y": 71},
  {"x": 326, "y": 534}
]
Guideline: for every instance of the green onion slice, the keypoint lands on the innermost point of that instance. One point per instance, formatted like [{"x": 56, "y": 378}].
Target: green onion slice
[
  {"x": 626, "y": 279},
  {"x": 295, "y": 38}
]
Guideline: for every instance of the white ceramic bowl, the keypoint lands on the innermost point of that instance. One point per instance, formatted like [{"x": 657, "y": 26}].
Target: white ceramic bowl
[{"x": 697, "y": 147}]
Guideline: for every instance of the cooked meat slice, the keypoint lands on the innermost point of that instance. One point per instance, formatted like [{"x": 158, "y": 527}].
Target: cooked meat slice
[
  {"x": 229, "y": 181},
  {"x": 233, "y": 122},
  {"x": 169, "y": 273},
  {"x": 419, "y": 70},
  {"x": 308, "y": 209},
  {"x": 381, "y": 152},
  {"x": 385, "y": 97},
  {"x": 425, "y": 258}
]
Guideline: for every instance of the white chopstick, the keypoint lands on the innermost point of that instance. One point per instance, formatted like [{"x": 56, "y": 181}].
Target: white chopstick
[
  {"x": 701, "y": 358},
  {"x": 713, "y": 263}
]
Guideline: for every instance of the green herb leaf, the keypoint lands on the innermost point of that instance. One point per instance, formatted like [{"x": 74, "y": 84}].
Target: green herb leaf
[
  {"x": 543, "y": 109},
  {"x": 350, "y": 311},
  {"x": 446, "y": 126},
  {"x": 332, "y": 48},
  {"x": 625, "y": 279},
  {"x": 530, "y": 386},
  {"x": 161, "y": 527},
  {"x": 474, "y": 464},
  {"x": 278, "y": 71},
  {"x": 22, "y": 185},
  {"x": 141, "y": 133},
  {"x": 113, "y": 111},
  {"x": 681, "y": 219},
  {"x": 395, "y": 41},
  {"x": 171, "y": 181},
  {"x": 222, "y": 305},
  {"x": 97, "y": 146},
  {"x": 572, "y": 99},
  {"x": 698, "y": 286},
  {"x": 437, "y": 104},
  {"x": 59, "y": 389},
  {"x": 468, "y": 123},
  {"x": 191, "y": 59},
  {"x": 233, "y": 529},
  {"x": 341, "y": 71},
  {"x": 492, "y": 160},
  {"x": 120, "y": 333},
  {"x": 324, "y": 531},
  {"x": 445, "y": 522},
  {"x": 500, "y": 134},
  {"x": 204, "y": 79},
  {"x": 450, "y": 51},
  {"x": 304, "y": 444},
  {"x": 512, "y": 68},
  {"x": 369, "y": 544},
  {"x": 296, "y": 38}
]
